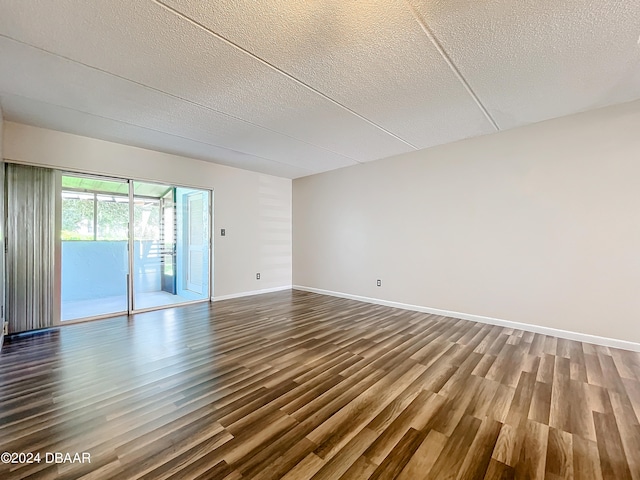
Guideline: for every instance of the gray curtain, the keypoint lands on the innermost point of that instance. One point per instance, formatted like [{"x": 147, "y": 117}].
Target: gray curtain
[{"x": 30, "y": 247}]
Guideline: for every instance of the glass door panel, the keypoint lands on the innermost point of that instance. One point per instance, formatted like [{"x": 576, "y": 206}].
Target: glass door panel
[
  {"x": 148, "y": 246},
  {"x": 170, "y": 245},
  {"x": 167, "y": 247},
  {"x": 94, "y": 234}
]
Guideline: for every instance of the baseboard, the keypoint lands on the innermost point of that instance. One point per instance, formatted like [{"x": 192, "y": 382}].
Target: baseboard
[
  {"x": 248, "y": 294},
  {"x": 580, "y": 337}
]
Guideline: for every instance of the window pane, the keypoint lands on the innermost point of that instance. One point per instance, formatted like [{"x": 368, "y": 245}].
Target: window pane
[
  {"x": 77, "y": 216},
  {"x": 146, "y": 213},
  {"x": 95, "y": 264},
  {"x": 113, "y": 217},
  {"x": 99, "y": 185}
]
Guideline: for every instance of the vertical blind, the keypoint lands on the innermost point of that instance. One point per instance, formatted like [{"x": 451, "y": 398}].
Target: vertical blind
[{"x": 30, "y": 247}]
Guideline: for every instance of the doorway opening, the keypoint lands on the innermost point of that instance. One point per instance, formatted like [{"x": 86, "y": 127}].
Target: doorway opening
[{"x": 130, "y": 246}]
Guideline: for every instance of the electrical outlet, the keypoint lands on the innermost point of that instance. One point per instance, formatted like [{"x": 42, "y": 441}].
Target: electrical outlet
[
  {"x": 379, "y": 283},
  {"x": 222, "y": 232},
  {"x": 257, "y": 276}
]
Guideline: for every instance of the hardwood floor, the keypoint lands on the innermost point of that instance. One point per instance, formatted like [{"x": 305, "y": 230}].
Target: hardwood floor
[{"x": 296, "y": 385}]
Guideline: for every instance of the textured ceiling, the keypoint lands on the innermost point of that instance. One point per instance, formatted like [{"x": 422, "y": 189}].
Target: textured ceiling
[{"x": 296, "y": 88}]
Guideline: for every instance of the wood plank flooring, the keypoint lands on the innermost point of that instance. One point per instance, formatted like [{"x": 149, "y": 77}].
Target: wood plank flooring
[{"x": 296, "y": 385}]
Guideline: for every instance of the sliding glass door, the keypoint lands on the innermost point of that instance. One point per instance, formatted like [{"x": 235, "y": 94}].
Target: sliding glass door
[
  {"x": 94, "y": 234},
  {"x": 167, "y": 246},
  {"x": 171, "y": 245},
  {"x": 153, "y": 246}
]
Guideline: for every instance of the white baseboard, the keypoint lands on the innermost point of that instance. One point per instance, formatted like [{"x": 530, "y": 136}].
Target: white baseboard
[
  {"x": 580, "y": 337},
  {"x": 247, "y": 294}
]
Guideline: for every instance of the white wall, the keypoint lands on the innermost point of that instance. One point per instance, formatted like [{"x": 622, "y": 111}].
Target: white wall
[
  {"x": 539, "y": 225},
  {"x": 255, "y": 209}
]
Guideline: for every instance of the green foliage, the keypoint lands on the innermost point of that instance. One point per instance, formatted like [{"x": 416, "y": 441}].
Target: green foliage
[
  {"x": 67, "y": 235},
  {"x": 112, "y": 219},
  {"x": 77, "y": 219}
]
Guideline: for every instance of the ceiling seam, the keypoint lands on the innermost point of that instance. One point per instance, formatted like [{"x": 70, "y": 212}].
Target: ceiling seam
[
  {"x": 282, "y": 72},
  {"x": 6, "y": 94},
  {"x": 172, "y": 95},
  {"x": 452, "y": 66}
]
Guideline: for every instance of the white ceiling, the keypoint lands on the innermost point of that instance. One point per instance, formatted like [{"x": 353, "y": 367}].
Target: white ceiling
[{"x": 293, "y": 88}]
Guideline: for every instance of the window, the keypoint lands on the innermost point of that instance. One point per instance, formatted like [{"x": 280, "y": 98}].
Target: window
[{"x": 94, "y": 216}]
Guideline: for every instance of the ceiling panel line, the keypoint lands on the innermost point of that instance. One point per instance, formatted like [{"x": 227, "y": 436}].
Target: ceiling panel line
[
  {"x": 178, "y": 97},
  {"x": 6, "y": 94},
  {"x": 436, "y": 43},
  {"x": 280, "y": 71}
]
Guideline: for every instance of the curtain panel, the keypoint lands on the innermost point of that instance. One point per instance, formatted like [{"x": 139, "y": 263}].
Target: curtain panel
[{"x": 30, "y": 247}]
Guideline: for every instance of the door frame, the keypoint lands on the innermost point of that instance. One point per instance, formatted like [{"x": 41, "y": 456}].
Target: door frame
[
  {"x": 209, "y": 207},
  {"x": 187, "y": 233},
  {"x": 131, "y": 241}
]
